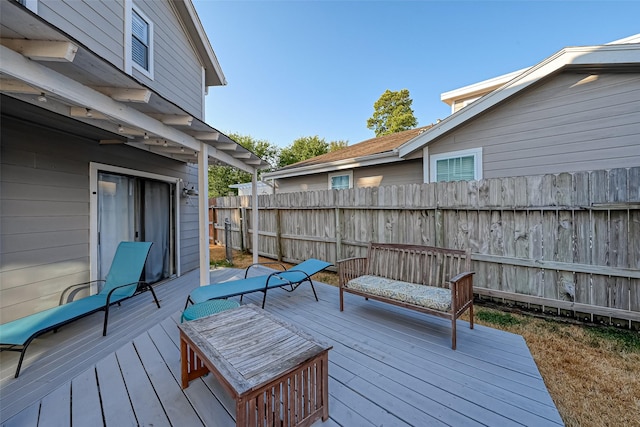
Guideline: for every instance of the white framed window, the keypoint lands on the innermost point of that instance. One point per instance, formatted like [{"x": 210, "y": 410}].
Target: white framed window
[
  {"x": 32, "y": 5},
  {"x": 464, "y": 165},
  {"x": 340, "y": 180},
  {"x": 139, "y": 42}
]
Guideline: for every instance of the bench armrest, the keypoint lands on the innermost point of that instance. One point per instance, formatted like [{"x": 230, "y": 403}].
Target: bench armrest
[
  {"x": 461, "y": 286},
  {"x": 351, "y": 268}
]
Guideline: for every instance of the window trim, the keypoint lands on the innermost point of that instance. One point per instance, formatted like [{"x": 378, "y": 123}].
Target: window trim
[
  {"x": 477, "y": 161},
  {"x": 341, "y": 173},
  {"x": 129, "y": 63}
]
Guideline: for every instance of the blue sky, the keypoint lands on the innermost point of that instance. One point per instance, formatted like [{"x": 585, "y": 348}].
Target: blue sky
[{"x": 305, "y": 68}]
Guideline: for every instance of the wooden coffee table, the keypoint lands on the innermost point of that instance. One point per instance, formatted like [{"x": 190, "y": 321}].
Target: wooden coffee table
[{"x": 277, "y": 374}]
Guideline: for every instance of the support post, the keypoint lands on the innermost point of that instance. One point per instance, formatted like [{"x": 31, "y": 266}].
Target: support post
[
  {"x": 338, "y": 235},
  {"x": 254, "y": 214},
  {"x": 203, "y": 213}
]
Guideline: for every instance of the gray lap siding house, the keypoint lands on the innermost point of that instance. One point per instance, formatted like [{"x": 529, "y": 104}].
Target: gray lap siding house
[
  {"x": 46, "y": 204},
  {"x": 177, "y": 72},
  {"x": 73, "y": 184},
  {"x": 407, "y": 172},
  {"x": 573, "y": 122}
]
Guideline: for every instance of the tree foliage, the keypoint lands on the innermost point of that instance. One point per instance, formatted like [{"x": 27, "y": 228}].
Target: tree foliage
[
  {"x": 338, "y": 145},
  {"x": 301, "y": 149},
  {"x": 392, "y": 113},
  {"x": 221, "y": 177}
]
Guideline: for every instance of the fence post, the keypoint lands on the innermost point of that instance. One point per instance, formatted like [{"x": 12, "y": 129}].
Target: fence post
[
  {"x": 338, "y": 235},
  {"x": 244, "y": 235},
  {"x": 278, "y": 236},
  {"x": 227, "y": 240}
]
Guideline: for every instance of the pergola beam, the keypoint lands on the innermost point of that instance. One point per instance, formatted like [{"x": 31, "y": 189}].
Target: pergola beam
[
  {"x": 17, "y": 66},
  {"x": 43, "y": 50},
  {"x": 126, "y": 94}
]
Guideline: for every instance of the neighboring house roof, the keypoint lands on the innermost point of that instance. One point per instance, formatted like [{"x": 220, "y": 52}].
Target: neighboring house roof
[
  {"x": 372, "y": 151},
  {"x": 621, "y": 55}
]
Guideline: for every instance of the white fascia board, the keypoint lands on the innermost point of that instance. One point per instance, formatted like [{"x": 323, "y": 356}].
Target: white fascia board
[
  {"x": 478, "y": 88},
  {"x": 375, "y": 159},
  {"x": 211, "y": 61},
  {"x": 573, "y": 56},
  {"x": 30, "y": 72}
]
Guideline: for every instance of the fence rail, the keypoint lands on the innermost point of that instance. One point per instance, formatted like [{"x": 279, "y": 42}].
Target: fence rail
[{"x": 564, "y": 244}]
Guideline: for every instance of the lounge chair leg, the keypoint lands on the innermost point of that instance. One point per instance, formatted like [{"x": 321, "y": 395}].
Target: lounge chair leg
[
  {"x": 314, "y": 290},
  {"x": 264, "y": 299},
  {"x": 19, "y": 363},
  {"x": 22, "y": 352},
  {"x": 106, "y": 318},
  {"x": 155, "y": 298}
]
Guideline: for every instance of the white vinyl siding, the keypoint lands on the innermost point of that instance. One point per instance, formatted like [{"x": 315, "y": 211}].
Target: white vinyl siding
[{"x": 457, "y": 166}]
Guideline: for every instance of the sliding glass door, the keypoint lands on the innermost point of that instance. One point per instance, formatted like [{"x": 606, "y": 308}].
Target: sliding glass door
[{"x": 132, "y": 208}]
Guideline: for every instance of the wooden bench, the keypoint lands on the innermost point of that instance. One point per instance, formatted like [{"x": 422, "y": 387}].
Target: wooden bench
[{"x": 427, "y": 279}]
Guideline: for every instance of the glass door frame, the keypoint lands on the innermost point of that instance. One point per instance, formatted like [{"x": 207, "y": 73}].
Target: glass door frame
[{"x": 94, "y": 168}]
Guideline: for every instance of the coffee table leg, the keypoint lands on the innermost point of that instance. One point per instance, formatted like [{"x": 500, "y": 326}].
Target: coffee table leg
[{"x": 184, "y": 362}]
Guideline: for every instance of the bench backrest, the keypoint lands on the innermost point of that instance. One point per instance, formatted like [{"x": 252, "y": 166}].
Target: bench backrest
[{"x": 425, "y": 265}]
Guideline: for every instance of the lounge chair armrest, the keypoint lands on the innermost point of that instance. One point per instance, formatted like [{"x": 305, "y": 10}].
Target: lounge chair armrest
[
  {"x": 72, "y": 295},
  {"x": 279, "y": 264},
  {"x": 350, "y": 268},
  {"x": 115, "y": 288}
]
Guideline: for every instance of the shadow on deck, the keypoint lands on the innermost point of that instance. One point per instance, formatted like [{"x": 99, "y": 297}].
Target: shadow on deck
[{"x": 388, "y": 366}]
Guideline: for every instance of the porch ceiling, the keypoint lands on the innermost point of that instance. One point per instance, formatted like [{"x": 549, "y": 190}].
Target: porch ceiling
[{"x": 104, "y": 92}]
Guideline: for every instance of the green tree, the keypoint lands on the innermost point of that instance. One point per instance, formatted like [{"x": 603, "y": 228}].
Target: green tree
[
  {"x": 302, "y": 149},
  {"x": 221, "y": 177},
  {"x": 338, "y": 145},
  {"x": 392, "y": 113}
]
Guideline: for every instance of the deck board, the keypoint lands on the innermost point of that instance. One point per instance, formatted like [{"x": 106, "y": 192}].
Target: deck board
[
  {"x": 85, "y": 399},
  {"x": 388, "y": 366}
]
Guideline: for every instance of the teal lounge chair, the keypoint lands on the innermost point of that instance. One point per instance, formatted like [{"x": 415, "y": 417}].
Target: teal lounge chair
[
  {"x": 121, "y": 283},
  {"x": 288, "y": 279}
]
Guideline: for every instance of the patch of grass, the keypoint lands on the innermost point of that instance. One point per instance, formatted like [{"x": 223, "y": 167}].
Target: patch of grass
[
  {"x": 498, "y": 318},
  {"x": 622, "y": 340}
]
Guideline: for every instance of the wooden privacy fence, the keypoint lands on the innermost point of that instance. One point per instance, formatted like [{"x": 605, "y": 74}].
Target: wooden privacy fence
[{"x": 564, "y": 244}]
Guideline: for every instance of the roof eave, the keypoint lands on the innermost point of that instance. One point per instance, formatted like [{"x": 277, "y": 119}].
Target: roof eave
[{"x": 213, "y": 71}]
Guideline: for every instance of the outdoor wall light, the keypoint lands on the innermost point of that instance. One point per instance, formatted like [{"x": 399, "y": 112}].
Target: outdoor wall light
[
  {"x": 42, "y": 97},
  {"x": 189, "y": 192},
  {"x": 89, "y": 113}
]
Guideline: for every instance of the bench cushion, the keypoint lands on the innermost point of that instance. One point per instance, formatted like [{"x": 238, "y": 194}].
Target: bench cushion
[{"x": 426, "y": 296}]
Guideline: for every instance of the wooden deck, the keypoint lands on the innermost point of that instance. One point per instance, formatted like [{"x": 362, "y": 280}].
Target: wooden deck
[{"x": 388, "y": 366}]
